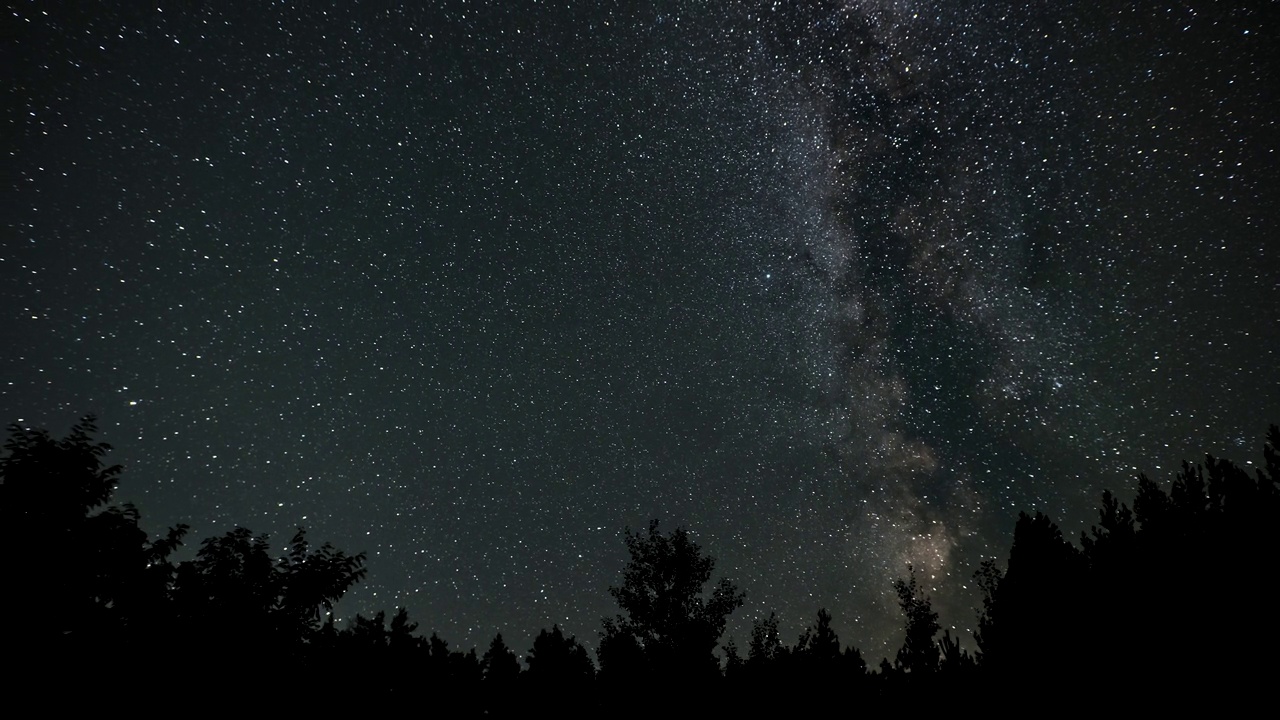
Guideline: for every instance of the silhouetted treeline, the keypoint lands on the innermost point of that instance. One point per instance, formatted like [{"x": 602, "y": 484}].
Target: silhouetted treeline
[
  {"x": 1171, "y": 590},
  {"x": 1175, "y": 590}
]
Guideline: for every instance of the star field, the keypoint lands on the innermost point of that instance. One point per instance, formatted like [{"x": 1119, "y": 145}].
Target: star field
[{"x": 839, "y": 287}]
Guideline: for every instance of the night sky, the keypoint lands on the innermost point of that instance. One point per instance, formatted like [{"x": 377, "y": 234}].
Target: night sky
[{"x": 475, "y": 286}]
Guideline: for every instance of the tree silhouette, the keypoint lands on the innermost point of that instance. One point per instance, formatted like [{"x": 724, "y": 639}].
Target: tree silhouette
[
  {"x": 501, "y": 671},
  {"x": 556, "y": 660},
  {"x": 954, "y": 659},
  {"x": 90, "y": 570},
  {"x": 817, "y": 659},
  {"x": 819, "y": 644},
  {"x": 233, "y": 597},
  {"x": 919, "y": 655},
  {"x": 733, "y": 662},
  {"x": 53, "y": 484},
  {"x": 766, "y": 649},
  {"x": 382, "y": 660},
  {"x": 765, "y": 662},
  {"x": 499, "y": 664},
  {"x": 1148, "y": 596},
  {"x": 667, "y": 628},
  {"x": 1032, "y": 626}
]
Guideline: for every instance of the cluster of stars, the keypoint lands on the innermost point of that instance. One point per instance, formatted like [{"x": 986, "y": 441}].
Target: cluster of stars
[{"x": 840, "y": 287}]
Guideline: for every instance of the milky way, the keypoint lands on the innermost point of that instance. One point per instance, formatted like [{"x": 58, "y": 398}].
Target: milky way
[{"x": 840, "y": 287}]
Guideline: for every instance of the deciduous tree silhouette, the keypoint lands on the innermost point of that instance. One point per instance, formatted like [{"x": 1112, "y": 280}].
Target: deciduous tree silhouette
[
  {"x": 233, "y": 597},
  {"x": 668, "y": 628},
  {"x": 89, "y": 569},
  {"x": 766, "y": 650},
  {"x": 919, "y": 654},
  {"x": 733, "y": 662}
]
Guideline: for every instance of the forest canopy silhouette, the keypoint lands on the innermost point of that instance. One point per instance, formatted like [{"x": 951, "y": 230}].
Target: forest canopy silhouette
[{"x": 1163, "y": 587}]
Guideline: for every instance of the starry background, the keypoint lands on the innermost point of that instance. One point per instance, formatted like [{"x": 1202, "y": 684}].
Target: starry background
[{"x": 474, "y": 286}]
